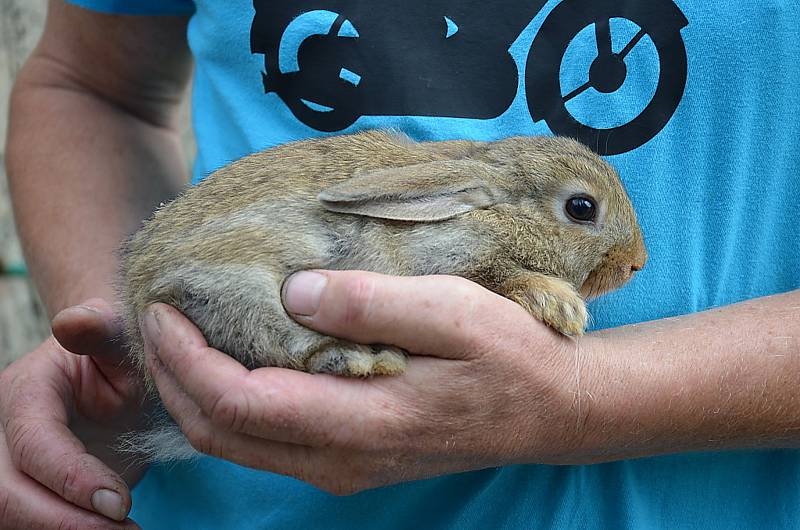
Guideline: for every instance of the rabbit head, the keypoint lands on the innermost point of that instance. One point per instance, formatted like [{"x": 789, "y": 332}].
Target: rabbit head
[
  {"x": 572, "y": 193},
  {"x": 549, "y": 204}
]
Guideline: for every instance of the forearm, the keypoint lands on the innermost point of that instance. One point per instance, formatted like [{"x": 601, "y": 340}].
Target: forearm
[
  {"x": 93, "y": 145},
  {"x": 83, "y": 174},
  {"x": 720, "y": 379}
]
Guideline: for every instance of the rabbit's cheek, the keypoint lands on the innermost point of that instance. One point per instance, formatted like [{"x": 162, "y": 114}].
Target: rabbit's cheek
[{"x": 607, "y": 276}]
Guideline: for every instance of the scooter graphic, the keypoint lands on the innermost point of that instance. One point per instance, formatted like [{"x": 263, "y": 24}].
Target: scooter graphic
[{"x": 332, "y": 61}]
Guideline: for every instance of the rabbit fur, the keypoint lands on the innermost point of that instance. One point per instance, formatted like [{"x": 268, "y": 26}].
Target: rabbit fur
[{"x": 492, "y": 212}]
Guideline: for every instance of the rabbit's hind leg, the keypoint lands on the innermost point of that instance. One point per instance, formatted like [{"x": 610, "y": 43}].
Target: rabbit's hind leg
[
  {"x": 356, "y": 360},
  {"x": 240, "y": 313}
]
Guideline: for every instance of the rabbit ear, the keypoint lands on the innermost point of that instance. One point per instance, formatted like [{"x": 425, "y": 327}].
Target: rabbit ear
[{"x": 432, "y": 191}]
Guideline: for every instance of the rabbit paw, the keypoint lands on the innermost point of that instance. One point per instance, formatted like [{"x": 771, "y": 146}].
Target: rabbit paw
[
  {"x": 357, "y": 360},
  {"x": 551, "y": 300}
]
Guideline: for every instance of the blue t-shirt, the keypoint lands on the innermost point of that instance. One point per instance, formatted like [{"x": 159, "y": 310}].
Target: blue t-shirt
[{"x": 696, "y": 103}]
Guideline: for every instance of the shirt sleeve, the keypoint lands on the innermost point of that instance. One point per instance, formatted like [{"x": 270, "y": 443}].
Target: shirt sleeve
[{"x": 138, "y": 7}]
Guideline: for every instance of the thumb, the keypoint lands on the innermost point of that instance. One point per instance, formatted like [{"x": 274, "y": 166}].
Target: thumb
[
  {"x": 444, "y": 316},
  {"x": 91, "y": 328}
]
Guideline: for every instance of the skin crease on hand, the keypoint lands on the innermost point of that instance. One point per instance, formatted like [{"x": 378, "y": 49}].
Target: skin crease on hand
[{"x": 495, "y": 388}]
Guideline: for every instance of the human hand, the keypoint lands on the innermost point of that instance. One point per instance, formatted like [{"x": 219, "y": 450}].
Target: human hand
[
  {"x": 487, "y": 385},
  {"x": 48, "y": 477}
]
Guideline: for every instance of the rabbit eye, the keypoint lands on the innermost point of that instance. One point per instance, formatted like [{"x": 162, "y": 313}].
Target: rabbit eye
[{"x": 581, "y": 209}]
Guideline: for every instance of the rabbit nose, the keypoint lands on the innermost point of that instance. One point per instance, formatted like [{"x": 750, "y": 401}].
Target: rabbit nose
[{"x": 637, "y": 263}]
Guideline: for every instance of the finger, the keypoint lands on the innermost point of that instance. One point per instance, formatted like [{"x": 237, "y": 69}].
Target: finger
[
  {"x": 273, "y": 403},
  {"x": 335, "y": 472},
  {"x": 434, "y": 315},
  {"x": 208, "y": 438},
  {"x": 43, "y": 447},
  {"x": 91, "y": 328},
  {"x": 27, "y": 504},
  {"x": 62, "y": 464}
]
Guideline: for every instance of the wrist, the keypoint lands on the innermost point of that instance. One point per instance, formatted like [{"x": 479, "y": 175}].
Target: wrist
[
  {"x": 590, "y": 404},
  {"x": 562, "y": 419},
  {"x": 609, "y": 402},
  {"x": 620, "y": 407},
  {"x": 717, "y": 380},
  {"x": 642, "y": 398}
]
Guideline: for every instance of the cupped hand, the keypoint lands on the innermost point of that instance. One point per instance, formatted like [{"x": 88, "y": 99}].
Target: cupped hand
[
  {"x": 486, "y": 385},
  {"x": 60, "y": 415}
]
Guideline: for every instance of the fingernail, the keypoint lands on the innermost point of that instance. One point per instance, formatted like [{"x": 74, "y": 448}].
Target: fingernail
[
  {"x": 302, "y": 291},
  {"x": 151, "y": 328},
  {"x": 108, "y": 503},
  {"x": 88, "y": 308}
]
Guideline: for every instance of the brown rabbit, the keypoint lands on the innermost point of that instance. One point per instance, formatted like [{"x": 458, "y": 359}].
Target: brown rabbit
[{"x": 542, "y": 221}]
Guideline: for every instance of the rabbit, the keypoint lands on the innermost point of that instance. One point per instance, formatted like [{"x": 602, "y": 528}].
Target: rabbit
[{"x": 542, "y": 221}]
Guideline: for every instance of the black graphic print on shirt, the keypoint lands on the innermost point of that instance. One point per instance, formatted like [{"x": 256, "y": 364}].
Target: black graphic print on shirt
[{"x": 332, "y": 61}]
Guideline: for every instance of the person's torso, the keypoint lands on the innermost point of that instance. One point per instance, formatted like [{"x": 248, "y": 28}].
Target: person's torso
[{"x": 696, "y": 103}]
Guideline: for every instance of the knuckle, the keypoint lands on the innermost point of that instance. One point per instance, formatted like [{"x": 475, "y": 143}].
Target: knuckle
[
  {"x": 457, "y": 285},
  {"x": 472, "y": 315},
  {"x": 70, "y": 479},
  {"x": 469, "y": 295},
  {"x": 357, "y": 304},
  {"x": 22, "y": 439},
  {"x": 231, "y": 410},
  {"x": 463, "y": 300},
  {"x": 65, "y": 480},
  {"x": 200, "y": 436}
]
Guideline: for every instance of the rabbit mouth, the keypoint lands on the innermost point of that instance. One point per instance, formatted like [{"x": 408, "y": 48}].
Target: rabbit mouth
[
  {"x": 599, "y": 282},
  {"x": 602, "y": 280},
  {"x": 616, "y": 267},
  {"x": 607, "y": 276}
]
